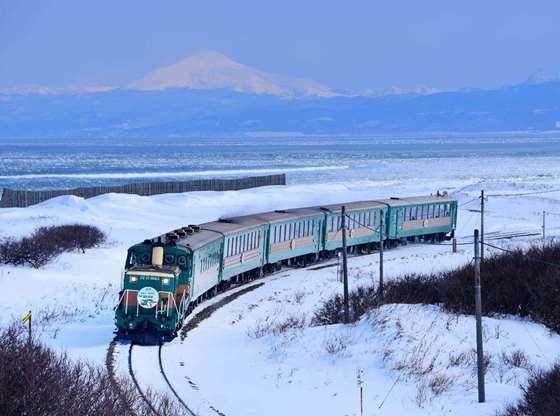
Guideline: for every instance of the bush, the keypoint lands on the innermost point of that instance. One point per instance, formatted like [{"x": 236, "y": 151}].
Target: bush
[
  {"x": 360, "y": 300},
  {"x": 35, "y": 380},
  {"x": 541, "y": 395},
  {"x": 46, "y": 243},
  {"x": 512, "y": 283}
]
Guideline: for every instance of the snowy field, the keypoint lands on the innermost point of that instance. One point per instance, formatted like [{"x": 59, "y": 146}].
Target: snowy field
[{"x": 417, "y": 360}]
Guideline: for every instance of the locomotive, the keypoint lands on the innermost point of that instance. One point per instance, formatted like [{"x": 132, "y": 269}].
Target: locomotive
[{"x": 166, "y": 276}]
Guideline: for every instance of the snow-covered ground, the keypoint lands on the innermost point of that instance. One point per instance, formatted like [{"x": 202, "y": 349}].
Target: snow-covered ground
[{"x": 239, "y": 362}]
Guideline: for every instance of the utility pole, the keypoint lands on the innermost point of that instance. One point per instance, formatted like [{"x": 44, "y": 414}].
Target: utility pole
[
  {"x": 478, "y": 309},
  {"x": 345, "y": 266},
  {"x": 381, "y": 236},
  {"x": 544, "y": 226},
  {"x": 482, "y": 225}
]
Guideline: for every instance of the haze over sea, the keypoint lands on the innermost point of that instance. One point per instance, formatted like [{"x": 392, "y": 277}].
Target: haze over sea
[{"x": 64, "y": 163}]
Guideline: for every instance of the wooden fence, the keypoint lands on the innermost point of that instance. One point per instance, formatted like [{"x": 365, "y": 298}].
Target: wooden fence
[{"x": 19, "y": 198}]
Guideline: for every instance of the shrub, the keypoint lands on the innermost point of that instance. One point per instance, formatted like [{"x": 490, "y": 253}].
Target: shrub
[
  {"x": 46, "y": 243},
  {"x": 516, "y": 283},
  {"x": 336, "y": 344},
  {"x": 35, "y": 380},
  {"x": 360, "y": 300},
  {"x": 541, "y": 395},
  {"x": 272, "y": 326}
]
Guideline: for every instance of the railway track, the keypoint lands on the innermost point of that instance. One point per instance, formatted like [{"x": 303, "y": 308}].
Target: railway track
[
  {"x": 110, "y": 364},
  {"x": 137, "y": 385},
  {"x": 164, "y": 375},
  {"x": 191, "y": 324}
]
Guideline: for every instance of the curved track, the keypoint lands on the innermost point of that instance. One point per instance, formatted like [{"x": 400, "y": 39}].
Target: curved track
[
  {"x": 135, "y": 381},
  {"x": 179, "y": 399},
  {"x": 110, "y": 362}
]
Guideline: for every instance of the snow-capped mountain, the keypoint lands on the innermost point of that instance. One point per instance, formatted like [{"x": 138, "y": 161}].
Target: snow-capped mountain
[{"x": 212, "y": 70}]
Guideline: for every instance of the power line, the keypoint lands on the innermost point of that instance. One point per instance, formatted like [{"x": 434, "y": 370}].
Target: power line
[
  {"x": 468, "y": 202},
  {"x": 526, "y": 193},
  {"x": 527, "y": 257}
]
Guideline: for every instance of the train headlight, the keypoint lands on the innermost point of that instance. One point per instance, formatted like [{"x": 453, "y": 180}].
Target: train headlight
[
  {"x": 133, "y": 279},
  {"x": 165, "y": 280}
]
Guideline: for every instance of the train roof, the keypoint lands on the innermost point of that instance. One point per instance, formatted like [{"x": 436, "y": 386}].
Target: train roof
[
  {"x": 288, "y": 214},
  {"x": 354, "y": 206},
  {"x": 212, "y": 231},
  {"x": 234, "y": 224},
  {"x": 414, "y": 200},
  {"x": 199, "y": 238}
]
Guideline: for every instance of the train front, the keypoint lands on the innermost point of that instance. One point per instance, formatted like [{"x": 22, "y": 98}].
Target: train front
[{"x": 147, "y": 311}]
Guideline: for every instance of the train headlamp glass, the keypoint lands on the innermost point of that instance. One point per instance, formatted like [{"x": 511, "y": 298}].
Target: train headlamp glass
[
  {"x": 165, "y": 280},
  {"x": 133, "y": 279}
]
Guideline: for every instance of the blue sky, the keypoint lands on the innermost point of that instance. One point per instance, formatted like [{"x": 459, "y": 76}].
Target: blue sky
[{"x": 347, "y": 45}]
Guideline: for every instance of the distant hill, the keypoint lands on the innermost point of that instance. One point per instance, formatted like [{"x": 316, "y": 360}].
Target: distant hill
[
  {"x": 187, "y": 112},
  {"x": 212, "y": 70}
]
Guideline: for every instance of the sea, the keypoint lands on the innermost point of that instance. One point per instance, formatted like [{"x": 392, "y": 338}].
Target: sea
[{"x": 68, "y": 163}]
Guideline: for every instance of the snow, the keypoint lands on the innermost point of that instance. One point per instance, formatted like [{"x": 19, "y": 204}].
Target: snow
[{"x": 234, "y": 361}]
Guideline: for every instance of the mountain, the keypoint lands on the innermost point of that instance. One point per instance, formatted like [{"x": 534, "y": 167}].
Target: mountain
[
  {"x": 190, "y": 112},
  {"x": 212, "y": 70}
]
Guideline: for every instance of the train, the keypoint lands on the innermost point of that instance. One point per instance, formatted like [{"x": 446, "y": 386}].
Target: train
[{"x": 165, "y": 277}]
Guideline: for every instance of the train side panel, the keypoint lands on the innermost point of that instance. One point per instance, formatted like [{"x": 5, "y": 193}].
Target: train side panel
[
  {"x": 294, "y": 238},
  {"x": 363, "y": 226},
  {"x": 416, "y": 220},
  {"x": 207, "y": 263},
  {"x": 244, "y": 251}
]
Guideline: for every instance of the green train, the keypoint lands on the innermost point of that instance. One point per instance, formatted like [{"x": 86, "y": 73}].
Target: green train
[{"x": 166, "y": 276}]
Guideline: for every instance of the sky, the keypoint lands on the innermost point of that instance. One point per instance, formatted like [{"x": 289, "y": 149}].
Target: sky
[{"x": 352, "y": 45}]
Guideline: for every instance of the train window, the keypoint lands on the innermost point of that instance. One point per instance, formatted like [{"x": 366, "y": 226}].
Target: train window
[
  {"x": 146, "y": 258},
  {"x": 132, "y": 259}
]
